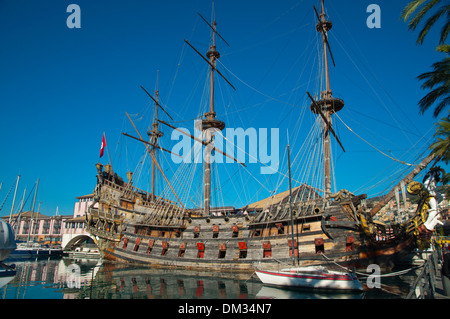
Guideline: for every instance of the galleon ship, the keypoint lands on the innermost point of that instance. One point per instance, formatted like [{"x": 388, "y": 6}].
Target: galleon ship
[{"x": 310, "y": 225}]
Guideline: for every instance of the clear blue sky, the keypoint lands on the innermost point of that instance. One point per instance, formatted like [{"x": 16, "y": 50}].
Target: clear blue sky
[{"x": 61, "y": 88}]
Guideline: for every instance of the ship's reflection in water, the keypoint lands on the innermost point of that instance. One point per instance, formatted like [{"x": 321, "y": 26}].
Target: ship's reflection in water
[
  {"x": 125, "y": 282},
  {"x": 90, "y": 279}
]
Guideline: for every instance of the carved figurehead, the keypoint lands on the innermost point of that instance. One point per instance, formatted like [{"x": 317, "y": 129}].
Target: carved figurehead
[{"x": 430, "y": 181}]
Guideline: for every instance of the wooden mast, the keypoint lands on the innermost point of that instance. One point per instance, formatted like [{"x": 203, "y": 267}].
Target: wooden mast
[
  {"x": 210, "y": 124},
  {"x": 154, "y": 134},
  {"x": 213, "y": 55},
  {"x": 327, "y": 105}
]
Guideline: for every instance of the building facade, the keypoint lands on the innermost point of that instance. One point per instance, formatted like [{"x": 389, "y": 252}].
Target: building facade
[
  {"x": 74, "y": 228},
  {"x": 55, "y": 231},
  {"x": 33, "y": 226}
]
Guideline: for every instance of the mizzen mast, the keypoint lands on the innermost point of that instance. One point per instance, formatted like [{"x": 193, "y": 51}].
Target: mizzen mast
[{"x": 327, "y": 104}]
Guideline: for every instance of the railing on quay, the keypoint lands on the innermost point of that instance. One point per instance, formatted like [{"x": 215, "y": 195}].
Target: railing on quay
[{"x": 424, "y": 287}]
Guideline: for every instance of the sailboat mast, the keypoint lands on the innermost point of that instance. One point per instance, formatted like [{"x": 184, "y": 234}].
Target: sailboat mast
[
  {"x": 14, "y": 199},
  {"x": 32, "y": 212},
  {"x": 293, "y": 245}
]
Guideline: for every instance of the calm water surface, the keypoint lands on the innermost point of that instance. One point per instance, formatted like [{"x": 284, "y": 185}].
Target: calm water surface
[{"x": 90, "y": 279}]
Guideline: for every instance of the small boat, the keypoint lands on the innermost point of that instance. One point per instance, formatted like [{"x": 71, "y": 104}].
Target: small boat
[
  {"x": 312, "y": 277},
  {"x": 35, "y": 250},
  {"x": 308, "y": 277}
]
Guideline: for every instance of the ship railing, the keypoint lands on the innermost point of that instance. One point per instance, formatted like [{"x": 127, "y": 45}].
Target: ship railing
[
  {"x": 104, "y": 214},
  {"x": 141, "y": 192},
  {"x": 104, "y": 233}
]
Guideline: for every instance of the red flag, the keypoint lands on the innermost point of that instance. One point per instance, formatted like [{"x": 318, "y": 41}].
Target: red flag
[{"x": 102, "y": 148}]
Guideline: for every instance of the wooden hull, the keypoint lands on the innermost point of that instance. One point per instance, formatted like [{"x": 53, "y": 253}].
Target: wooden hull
[
  {"x": 131, "y": 230},
  {"x": 242, "y": 251}
]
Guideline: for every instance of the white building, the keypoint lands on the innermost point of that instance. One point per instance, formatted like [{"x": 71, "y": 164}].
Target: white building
[{"x": 74, "y": 228}]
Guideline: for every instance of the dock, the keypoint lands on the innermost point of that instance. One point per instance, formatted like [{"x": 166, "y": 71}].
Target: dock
[
  {"x": 439, "y": 288},
  {"x": 429, "y": 283}
]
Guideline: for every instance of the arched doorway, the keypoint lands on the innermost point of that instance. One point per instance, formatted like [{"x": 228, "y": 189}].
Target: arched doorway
[{"x": 81, "y": 245}]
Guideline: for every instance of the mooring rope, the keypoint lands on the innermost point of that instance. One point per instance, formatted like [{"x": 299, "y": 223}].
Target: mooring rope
[{"x": 392, "y": 274}]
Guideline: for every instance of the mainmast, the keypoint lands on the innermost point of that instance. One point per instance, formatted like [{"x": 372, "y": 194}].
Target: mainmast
[
  {"x": 327, "y": 104},
  {"x": 210, "y": 123}
]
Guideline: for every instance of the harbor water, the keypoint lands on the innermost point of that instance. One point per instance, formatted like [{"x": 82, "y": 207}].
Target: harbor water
[{"x": 66, "y": 278}]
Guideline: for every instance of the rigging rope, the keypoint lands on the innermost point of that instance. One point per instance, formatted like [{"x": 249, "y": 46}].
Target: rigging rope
[
  {"x": 254, "y": 89},
  {"x": 392, "y": 274},
  {"x": 392, "y": 158},
  {"x": 7, "y": 195}
]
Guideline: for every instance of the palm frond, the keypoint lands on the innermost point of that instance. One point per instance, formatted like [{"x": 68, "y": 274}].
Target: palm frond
[
  {"x": 411, "y": 8},
  {"x": 431, "y": 21}
]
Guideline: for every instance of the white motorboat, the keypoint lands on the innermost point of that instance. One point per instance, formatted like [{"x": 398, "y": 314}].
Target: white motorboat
[{"x": 313, "y": 277}]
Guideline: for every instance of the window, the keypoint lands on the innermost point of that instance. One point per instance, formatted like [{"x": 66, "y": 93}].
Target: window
[
  {"x": 165, "y": 248},
  {"x": 136, "y": 247},
  {"x": 257, "y": 233},
  {"x": 196, "y": 231},
  {"x": 280, "y": 228},
  {"x": 150, "y": 246},
  {"x": 267, "y": 249},
  {"x": 222, "y": 250},
  {"x": 201, "y": 250},
  {"x": 320, "y": 247},
  {"x": 349, "y": 244},
  {"x": 235, "y": 230},
  {"x": 242, "y": 249},
  {"x": 182, "y": 250},
  {"x": 215, "y": 231}
]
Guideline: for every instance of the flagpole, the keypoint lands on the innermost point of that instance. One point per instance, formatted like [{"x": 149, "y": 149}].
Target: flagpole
[{"x": 107, "y": 148}]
